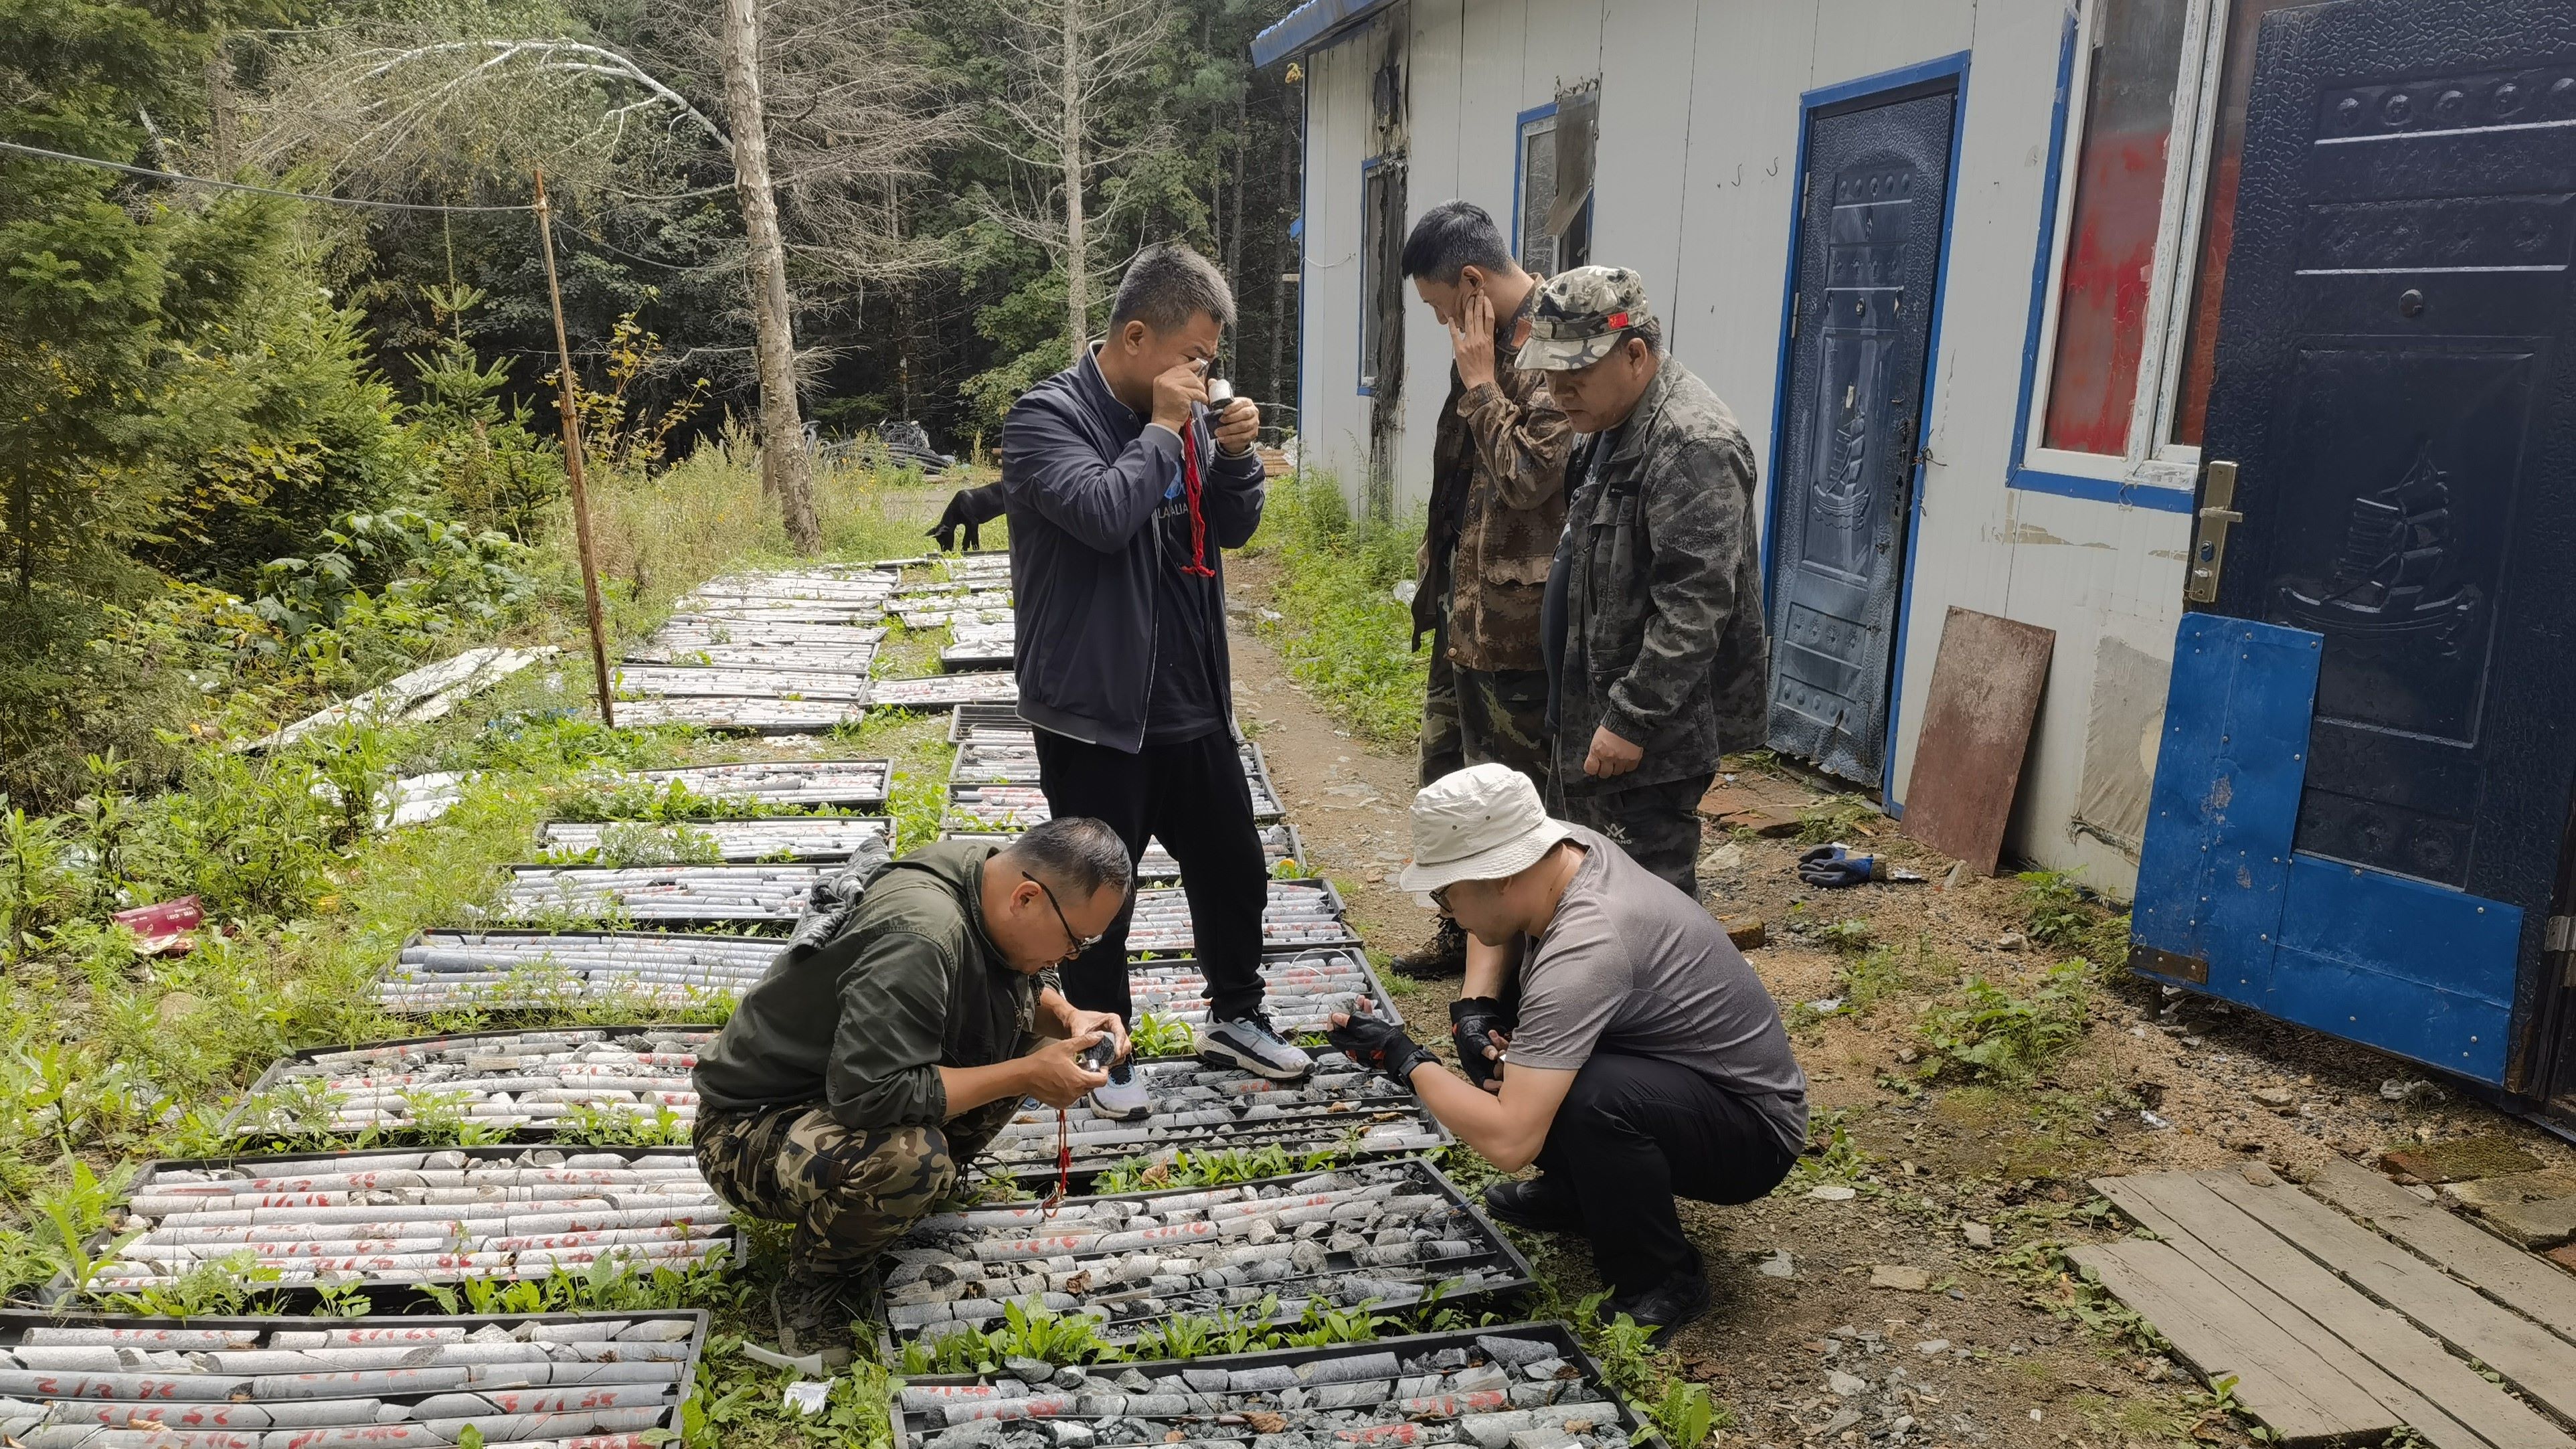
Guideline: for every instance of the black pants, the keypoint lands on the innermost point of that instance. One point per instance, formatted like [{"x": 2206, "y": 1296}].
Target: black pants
[
  {"x": 1194, "y": 797},
  {"x": 1636, "y": 1132},
  {"x": 1658, "y": 825}
]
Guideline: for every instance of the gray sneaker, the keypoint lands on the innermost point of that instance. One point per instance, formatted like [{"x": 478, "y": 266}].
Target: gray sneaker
[
  {"x": 1125, "y": 1098},
  {"x": 1250, "y": 1043}
]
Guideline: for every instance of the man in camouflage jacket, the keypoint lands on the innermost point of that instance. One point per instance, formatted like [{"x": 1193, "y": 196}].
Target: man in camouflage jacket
[
  {"x": 1661, "y": 659},
  {"x": 1497, "y": 505},
  {"x": 910, "y": 1014}
]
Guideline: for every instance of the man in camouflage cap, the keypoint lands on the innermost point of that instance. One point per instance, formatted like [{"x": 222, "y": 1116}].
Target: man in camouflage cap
[{"x": 1653, "y": 622}]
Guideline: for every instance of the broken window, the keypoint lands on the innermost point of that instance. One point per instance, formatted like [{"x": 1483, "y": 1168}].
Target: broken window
[
  {"x": 1376, "y": 181},
  {"x": 2146, "y": 205},
  {"x": 1552, "y": 201}
]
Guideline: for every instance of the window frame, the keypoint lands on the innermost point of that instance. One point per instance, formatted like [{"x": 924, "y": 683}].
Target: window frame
[
  {"x": 1370, "y": 259},
  {"x": 1520, "y": 169},
  {"x": 2151, "y": 471}
]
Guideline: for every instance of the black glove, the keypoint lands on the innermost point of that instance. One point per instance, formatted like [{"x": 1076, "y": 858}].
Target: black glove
[
  {"x": 1380, "y": 1045},
  {"x": 1470, "y": 1019},
  {"x": 960, "y": 514}
]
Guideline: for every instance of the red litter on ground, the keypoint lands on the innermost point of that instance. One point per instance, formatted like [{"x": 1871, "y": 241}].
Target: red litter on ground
[{"x": 162, "y": 930}]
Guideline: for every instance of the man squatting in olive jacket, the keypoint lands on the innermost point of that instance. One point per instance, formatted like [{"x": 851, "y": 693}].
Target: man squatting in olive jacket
[{"x": 892, "y": 1039}]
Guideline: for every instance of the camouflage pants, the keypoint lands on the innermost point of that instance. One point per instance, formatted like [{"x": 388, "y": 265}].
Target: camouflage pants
[
  {"x": 1473, "y": 716},
  {"x": 1658, "y": 825},
  {"x": 849, "y": 1193}
]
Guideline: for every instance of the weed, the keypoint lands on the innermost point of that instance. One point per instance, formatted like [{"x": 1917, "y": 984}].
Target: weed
[
  {"x": 1156, "y": 1035},
  {"x": 36, "y": 885},
  {"x": 1685, "y": 1414},
  {"x": 1994, "y": 1035},
  {"x": 1342, "y": 632},
  {"x": 593, "y": 1125},
  {"x": 1322, "y": 1326},
  {"x": 1839, "y": 1160},
  {"x": 2057, "y": 911},
  {"x": 227, "y": 1287},
  {"x": 628, "y": 844},
  {"x": 1851, "y": 934},
  {"x": 1838, "y": 819}
]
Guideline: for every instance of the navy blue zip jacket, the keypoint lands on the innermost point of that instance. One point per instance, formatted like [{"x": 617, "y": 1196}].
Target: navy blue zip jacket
[{"x": 1083, "y": 475}]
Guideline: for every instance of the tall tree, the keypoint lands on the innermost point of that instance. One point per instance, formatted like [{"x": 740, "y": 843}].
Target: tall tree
[{"x": 784, "y": 463}]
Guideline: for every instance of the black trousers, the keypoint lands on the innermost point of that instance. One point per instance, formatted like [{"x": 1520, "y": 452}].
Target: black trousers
[
  {"x": 1194, "y": 797},
  {"x": 1635, "y": 1133}
]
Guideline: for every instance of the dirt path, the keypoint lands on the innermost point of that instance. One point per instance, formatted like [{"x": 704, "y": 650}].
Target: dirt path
[{"x": 1905, "y": 1286}]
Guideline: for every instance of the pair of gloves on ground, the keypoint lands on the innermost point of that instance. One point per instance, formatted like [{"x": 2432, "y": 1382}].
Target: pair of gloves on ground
[{"x": 1475, "y": 1023}]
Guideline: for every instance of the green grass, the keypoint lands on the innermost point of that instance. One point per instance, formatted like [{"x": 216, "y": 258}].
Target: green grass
[{"x": 1341, "y": 631}]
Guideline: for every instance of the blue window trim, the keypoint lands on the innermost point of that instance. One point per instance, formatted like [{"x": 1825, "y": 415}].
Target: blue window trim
[
  {"x": 1520, "y": 165},
  {"x": 1360, "y": 373},
  {"x": 1952, "y": 68},
  {"x": 2017, "y": 472}
]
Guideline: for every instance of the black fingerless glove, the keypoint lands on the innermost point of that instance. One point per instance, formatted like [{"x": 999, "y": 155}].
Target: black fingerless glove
[
  {"x": 1470, "y": 1019},
  {"x": 1380, "y": 1046}
]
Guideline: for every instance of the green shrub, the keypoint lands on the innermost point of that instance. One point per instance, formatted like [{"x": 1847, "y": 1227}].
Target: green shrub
[{"x": 1341, "y": 630}]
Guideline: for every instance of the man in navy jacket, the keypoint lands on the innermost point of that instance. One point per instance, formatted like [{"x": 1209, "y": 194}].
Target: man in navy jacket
[{"x": 1124, "y": 487}]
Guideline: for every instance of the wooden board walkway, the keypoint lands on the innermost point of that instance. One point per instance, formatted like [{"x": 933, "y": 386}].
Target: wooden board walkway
[{"x": 2335, "y": 1332}]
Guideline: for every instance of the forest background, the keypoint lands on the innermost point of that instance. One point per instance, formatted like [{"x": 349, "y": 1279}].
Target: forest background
[{"x": 256, "y": 451}]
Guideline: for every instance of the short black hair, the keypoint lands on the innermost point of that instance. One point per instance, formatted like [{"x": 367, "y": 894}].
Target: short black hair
[
  {"x": 1075, "y": 855},
  {"x": 1451, "y": 237},
  {"x": 1649, "y": 332},
  {"x": 1167, "y": 285}
]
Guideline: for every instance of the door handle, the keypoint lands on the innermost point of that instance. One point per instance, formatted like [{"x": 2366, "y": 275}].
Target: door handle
[{"x": 2209, "y": 541}]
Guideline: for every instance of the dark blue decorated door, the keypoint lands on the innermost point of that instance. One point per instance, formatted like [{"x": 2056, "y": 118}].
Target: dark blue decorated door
[
  {"x": 1869, "y": 257},
  {"x": 2362, "y": 795}
]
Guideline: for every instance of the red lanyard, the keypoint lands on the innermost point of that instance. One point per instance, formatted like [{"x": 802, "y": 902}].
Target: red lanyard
[
  {"x": 1063, "y": 1167},
  {"x": 1197, "y": 566}
]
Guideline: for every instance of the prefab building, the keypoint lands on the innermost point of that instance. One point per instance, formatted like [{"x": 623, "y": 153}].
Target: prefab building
[{"x": 2227, "y": 339}]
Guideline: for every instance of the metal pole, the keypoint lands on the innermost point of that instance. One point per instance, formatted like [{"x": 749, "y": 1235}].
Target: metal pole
[{"x": 573, "y": 464}]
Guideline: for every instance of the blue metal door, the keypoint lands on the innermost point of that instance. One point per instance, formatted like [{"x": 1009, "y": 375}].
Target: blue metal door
[
  {"x": 1869, "y": 256},
  {"x": 2362, "y": 794}
]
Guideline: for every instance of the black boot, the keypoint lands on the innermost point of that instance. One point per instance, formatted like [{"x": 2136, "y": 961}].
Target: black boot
[
  {"x": 1446, "y": 955},
  {"x": 1667, "y": 1306},
  {"x": 1536, "y": 1204}
]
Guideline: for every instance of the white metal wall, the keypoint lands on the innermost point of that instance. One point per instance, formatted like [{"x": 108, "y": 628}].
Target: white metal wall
[{"x": 1695, "y": 183}]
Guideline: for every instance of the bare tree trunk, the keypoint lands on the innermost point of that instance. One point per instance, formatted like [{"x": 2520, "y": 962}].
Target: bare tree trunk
[
  {"x": 782, "y": 431},
  {"x": 222, "y": 136},
  {"x": 1282, "y": 254},
  {"x": 1077, "y": 260}
]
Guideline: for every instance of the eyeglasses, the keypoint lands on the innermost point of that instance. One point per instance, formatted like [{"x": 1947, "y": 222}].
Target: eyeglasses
[
  {"x": 1440, "y": 897},
  {"x": 1081, "y": 942}
]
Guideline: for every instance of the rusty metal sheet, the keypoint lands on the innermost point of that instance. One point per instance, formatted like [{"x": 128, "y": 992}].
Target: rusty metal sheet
[{"x": 1976, "y": 731}]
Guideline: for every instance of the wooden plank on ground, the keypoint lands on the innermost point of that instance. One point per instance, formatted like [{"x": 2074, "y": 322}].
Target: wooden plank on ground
[
  {"x": 2533, "y": 1360},
  {"x": 2278, "y": 1380},
  {"x": 2534, "y": 1285},
  {"x": 1976, "y": 730},
  {"x": 2405, "y": 1371}
]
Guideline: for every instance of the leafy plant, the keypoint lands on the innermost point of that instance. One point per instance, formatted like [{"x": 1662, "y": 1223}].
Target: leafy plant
[
  {"x": 1685, "y": 1413},
  {"x": 1156, "y": 1035},
  {"x": 72, "y": 1215},
  {"x": 1851, "y": 934},
  {"x": 1323, "y": 1325},
  {"x": 1993, "y": 1034},
  {"x": 229, "y": 1286},
  {"x": 1337, "y": 624},
  {"x": 35, "y": 883},
  {"x": 1840, "y": 818}
]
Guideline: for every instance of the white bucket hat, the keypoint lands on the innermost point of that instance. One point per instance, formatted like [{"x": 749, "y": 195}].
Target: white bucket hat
[{"x": 1483, "y": 823}]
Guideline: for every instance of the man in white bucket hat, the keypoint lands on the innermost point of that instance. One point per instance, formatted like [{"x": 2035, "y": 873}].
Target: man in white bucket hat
[{"x": 1621, "y": 1042}]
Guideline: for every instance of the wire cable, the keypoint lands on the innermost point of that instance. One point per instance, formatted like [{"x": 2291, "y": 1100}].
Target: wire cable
[{"x": 179, "y": 176}]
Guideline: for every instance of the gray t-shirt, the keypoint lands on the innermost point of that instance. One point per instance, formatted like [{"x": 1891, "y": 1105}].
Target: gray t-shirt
[{"x": 1631, "y": 965}]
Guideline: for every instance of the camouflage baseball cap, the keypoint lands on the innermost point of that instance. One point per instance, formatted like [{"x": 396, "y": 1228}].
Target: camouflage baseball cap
[{"x": 1579, "y": 317}]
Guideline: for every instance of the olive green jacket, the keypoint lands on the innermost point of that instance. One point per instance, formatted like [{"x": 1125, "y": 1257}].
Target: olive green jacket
[{"x": 863, "y": 1020}]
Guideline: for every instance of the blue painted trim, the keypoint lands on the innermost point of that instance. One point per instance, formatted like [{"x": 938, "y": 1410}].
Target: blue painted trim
[
  {"x": 2102, "y": 490},
  {"x": 1953, "y": 67},
  {"x": 2017, "y": 473},
  {"x": 1310, "y": 26},
  {"x": 1520, "y": 165},
  {"x": 1360, "y": 373},
  {"x": 1937, "y": 68}
]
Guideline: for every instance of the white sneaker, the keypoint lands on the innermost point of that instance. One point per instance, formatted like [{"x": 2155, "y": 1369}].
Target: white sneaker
[
  {"x": 1250, "y": 1043},
  {"x": 1124, "y": 1099}
]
